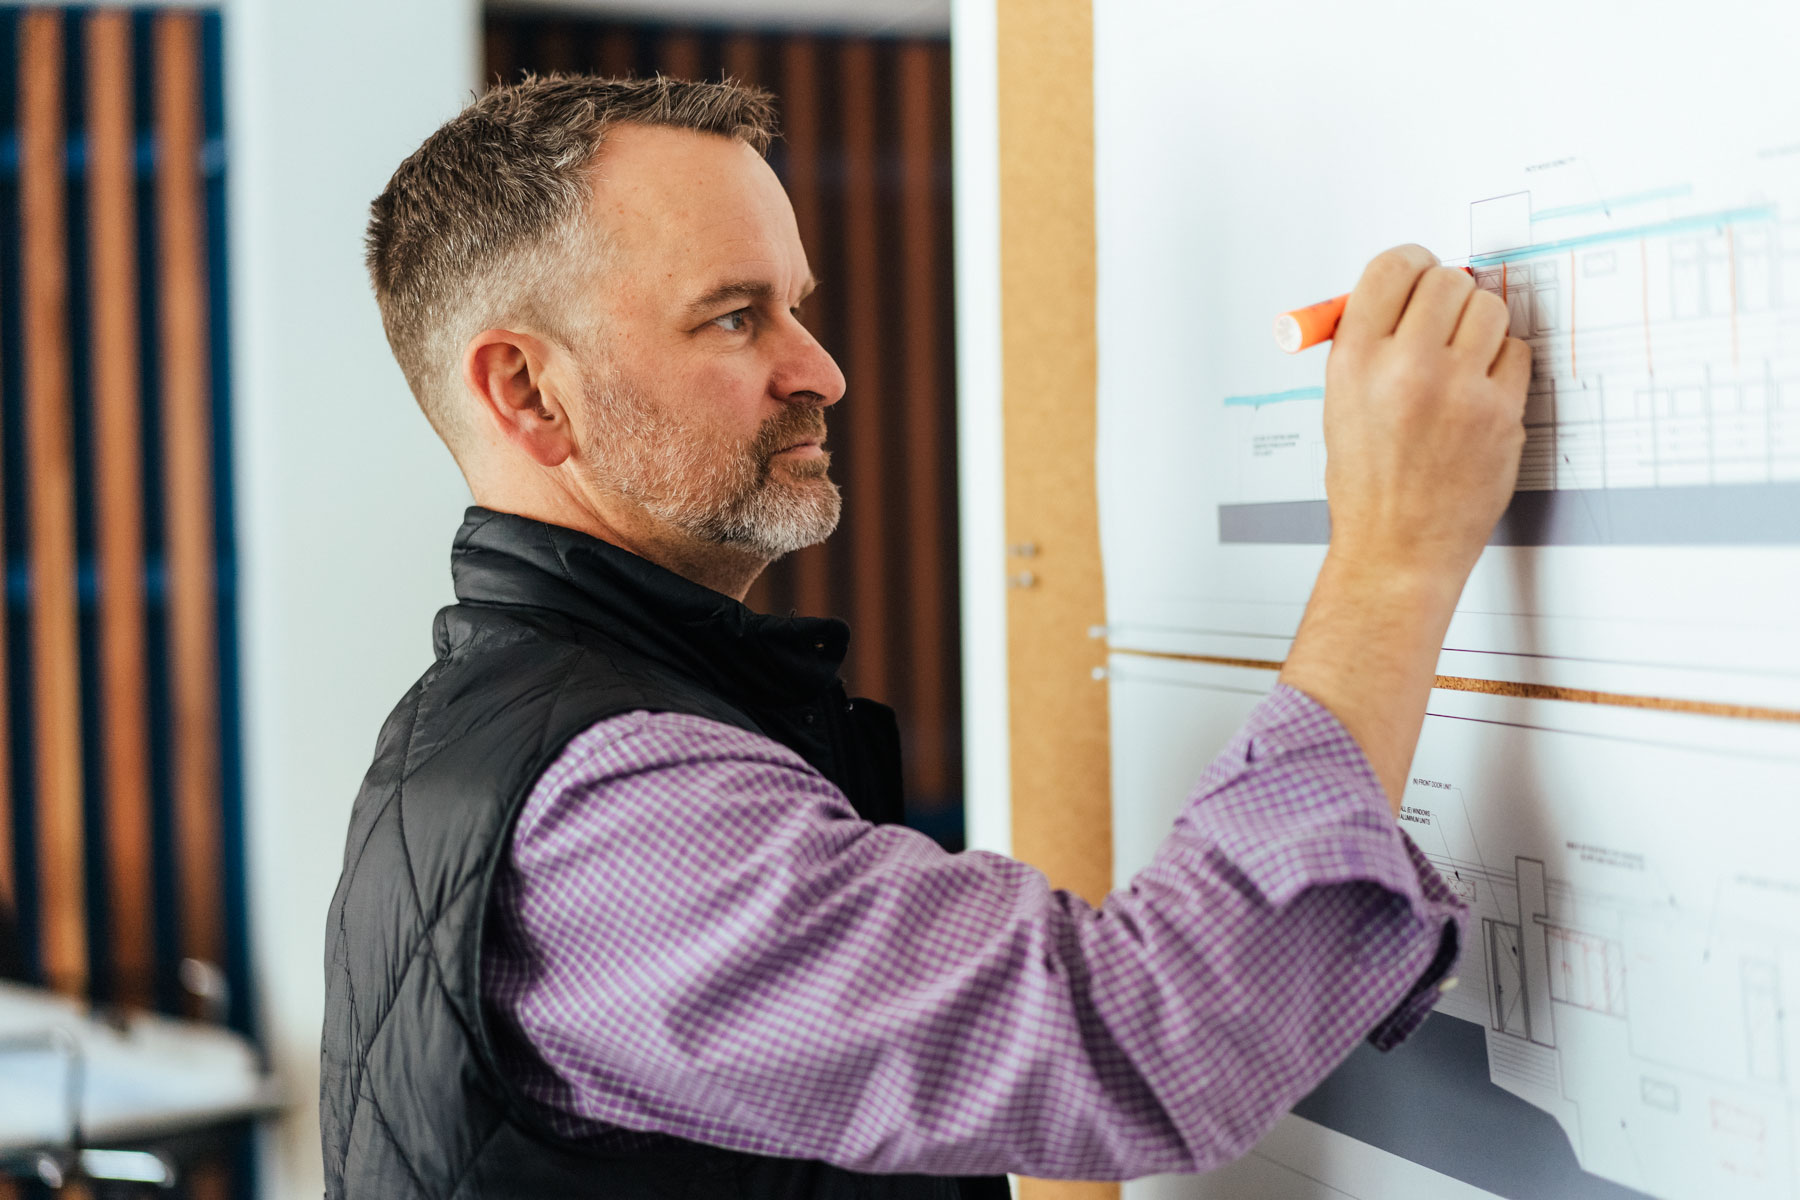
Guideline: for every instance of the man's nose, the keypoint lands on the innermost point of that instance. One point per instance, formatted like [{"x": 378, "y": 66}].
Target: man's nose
[{"x": 807, "y": 374}]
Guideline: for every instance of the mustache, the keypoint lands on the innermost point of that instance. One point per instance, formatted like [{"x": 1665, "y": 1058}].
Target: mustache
[{"x": 787, "y": 427}]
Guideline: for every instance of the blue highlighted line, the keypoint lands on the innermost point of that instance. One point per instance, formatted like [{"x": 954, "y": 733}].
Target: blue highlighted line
[
  {"x": 1305, "y": 393},
  {"x": 1674, "y": 192},
  {"x": 1710, "y": 221}
]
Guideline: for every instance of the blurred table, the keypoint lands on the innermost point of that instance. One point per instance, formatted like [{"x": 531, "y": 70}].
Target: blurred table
[{"x": 119, "y": 1096}]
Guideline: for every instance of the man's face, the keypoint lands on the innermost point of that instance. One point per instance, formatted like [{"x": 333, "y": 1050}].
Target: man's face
[{"x": 705, "y": 398}]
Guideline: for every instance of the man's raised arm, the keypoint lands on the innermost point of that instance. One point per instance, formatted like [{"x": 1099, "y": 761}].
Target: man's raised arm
[{"x": 1424, "y": 408}]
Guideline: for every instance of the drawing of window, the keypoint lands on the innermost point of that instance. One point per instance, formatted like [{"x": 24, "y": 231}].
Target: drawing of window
[
  {"x": 1587, "y": 971},
  {"x": 1762, "y": 1019},
  {"x": 1518, "y": 313},
  {"x": 1685, "y": 284},
  {"x": 1660, "y": 1093},
  {"x": 1546, "y": 310}
]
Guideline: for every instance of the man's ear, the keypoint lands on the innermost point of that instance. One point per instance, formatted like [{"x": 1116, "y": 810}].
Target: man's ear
[{"x": 508, "y": 373}]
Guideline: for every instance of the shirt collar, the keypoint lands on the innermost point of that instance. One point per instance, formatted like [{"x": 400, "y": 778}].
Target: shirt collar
[{"x": 505, "y": 560}]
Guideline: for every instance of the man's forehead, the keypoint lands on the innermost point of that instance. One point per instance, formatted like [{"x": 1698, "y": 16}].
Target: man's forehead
[
  {"x": 650, "y": 181},
  {"x": 693, "y": 220}
]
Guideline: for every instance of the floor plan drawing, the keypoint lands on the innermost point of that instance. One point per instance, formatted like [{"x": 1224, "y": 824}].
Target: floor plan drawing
[
  {"x": 1633, "y": 948},
  {"x": 1631, "y": 982}
]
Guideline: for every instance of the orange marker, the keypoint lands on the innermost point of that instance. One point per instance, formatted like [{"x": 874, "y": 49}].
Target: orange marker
[{"x": 1303, "y": 327}]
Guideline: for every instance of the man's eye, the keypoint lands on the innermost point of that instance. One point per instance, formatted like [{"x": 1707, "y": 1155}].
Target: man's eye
[{"x": 735, "y": 321}]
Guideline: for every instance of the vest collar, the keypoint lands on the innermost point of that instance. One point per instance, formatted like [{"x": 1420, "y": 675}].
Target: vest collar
[{"x": 504, "y": 560}]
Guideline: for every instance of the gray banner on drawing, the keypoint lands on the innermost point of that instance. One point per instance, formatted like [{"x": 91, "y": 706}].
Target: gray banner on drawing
[{"x": 1430, "y": 1100}]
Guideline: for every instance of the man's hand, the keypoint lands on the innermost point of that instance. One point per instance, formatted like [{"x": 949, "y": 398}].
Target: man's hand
[
  {"x": 1424, "y": 393},
  {"x": 1424, "y": 405}
]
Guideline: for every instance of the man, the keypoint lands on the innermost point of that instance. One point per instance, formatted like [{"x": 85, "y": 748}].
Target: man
[{"x": 623, "y": 911}]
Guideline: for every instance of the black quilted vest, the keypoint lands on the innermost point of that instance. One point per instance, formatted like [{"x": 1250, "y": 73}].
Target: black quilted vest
[{"x": 553, "y": 631}]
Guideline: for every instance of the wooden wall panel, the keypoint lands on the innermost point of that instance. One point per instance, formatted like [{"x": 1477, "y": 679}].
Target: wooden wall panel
[
  {"x": 618, "y": 53},
  {"x": 500, "y": 52},
  {"x": 742, "y": 59},
  {"x": 929, "y": 624},
  {"x": 9, "y": 884},
  {"x": 114, "y": 675},
  {"x": 187, "y": 482},
  {"x": 555, "y": 48},
  {"x": 50, "y": 473},
  {"x": 679, "y": 56},
  {"x": 865, "y": 478},
  {"x": 808, "y": 572},
  {"x": 119, "y": 483}
]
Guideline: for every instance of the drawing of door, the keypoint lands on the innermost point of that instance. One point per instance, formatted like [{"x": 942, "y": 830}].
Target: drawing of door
[{"x": 1506, "y": 978}]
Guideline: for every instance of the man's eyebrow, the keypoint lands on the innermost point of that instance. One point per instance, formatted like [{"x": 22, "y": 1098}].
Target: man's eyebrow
[{"x": 741, "y": 289}]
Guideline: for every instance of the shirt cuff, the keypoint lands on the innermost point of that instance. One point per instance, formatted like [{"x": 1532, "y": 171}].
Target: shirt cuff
[{"x": 1443, "y": 908}]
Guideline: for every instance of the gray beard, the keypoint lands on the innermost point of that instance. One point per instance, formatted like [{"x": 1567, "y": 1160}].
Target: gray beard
[{"x": 718, "y": 491}]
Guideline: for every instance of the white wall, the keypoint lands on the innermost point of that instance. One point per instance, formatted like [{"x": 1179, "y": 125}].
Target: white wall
[
  {"x": 347, "y": 502},
  {"x": 974, "y": 51}
]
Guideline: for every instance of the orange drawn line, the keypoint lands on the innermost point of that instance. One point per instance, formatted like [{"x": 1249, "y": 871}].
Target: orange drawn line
[
  {"x": 1644, "y": 271},
  {"x": 1503, "y": 279},
  {"x": 1731, "y": 277}
]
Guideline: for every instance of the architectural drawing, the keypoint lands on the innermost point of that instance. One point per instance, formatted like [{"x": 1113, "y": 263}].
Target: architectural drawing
[
  {"x": 1631, "y": 987},
  {"x": 1634, "y": 935}
]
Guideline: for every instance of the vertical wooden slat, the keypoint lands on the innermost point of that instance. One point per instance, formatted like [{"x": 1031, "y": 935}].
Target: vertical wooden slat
[
  {"x": 618, "y": 53},
  {"x": 9, "y": 888},
  {"x": 921, "y": 404},
  {"x": 743, "y": 59},
  {"x": 50, "y": 479},
  {"x": 501, "y": 47},
  {"x": 187, "y": 469},
  {"x": 678, "y": 55},
  {"x": 554, "y": 48},
  {"x": 866, "y": 491},
  {"x": 808, "y": 569},
  {"x": 118, "y": 483}
]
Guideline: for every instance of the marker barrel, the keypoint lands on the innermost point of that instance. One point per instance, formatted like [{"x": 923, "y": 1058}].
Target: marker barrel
[{"x": 1303, "y": 327}]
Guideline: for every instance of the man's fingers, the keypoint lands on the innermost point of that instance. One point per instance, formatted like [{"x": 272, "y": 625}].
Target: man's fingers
[
  {"x": 1436, "y": 306},
  {"x": 1381, "y": 294},
  {"x": 1483, "y": 327},
  {"x": 1512, "y": 366}
]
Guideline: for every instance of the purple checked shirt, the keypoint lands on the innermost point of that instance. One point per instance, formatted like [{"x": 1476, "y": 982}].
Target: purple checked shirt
[{"x": 695, "y": 935}]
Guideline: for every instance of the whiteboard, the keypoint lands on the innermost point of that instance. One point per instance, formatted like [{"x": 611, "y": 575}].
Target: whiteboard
[{"x": 1627, "y": 177}]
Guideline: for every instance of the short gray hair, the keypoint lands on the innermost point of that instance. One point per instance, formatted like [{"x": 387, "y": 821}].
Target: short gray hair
[{"x": 478, "y": 224}]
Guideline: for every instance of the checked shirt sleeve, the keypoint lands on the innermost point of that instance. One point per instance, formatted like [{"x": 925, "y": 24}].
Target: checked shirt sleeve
[{"x": 696, "y": 936}]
